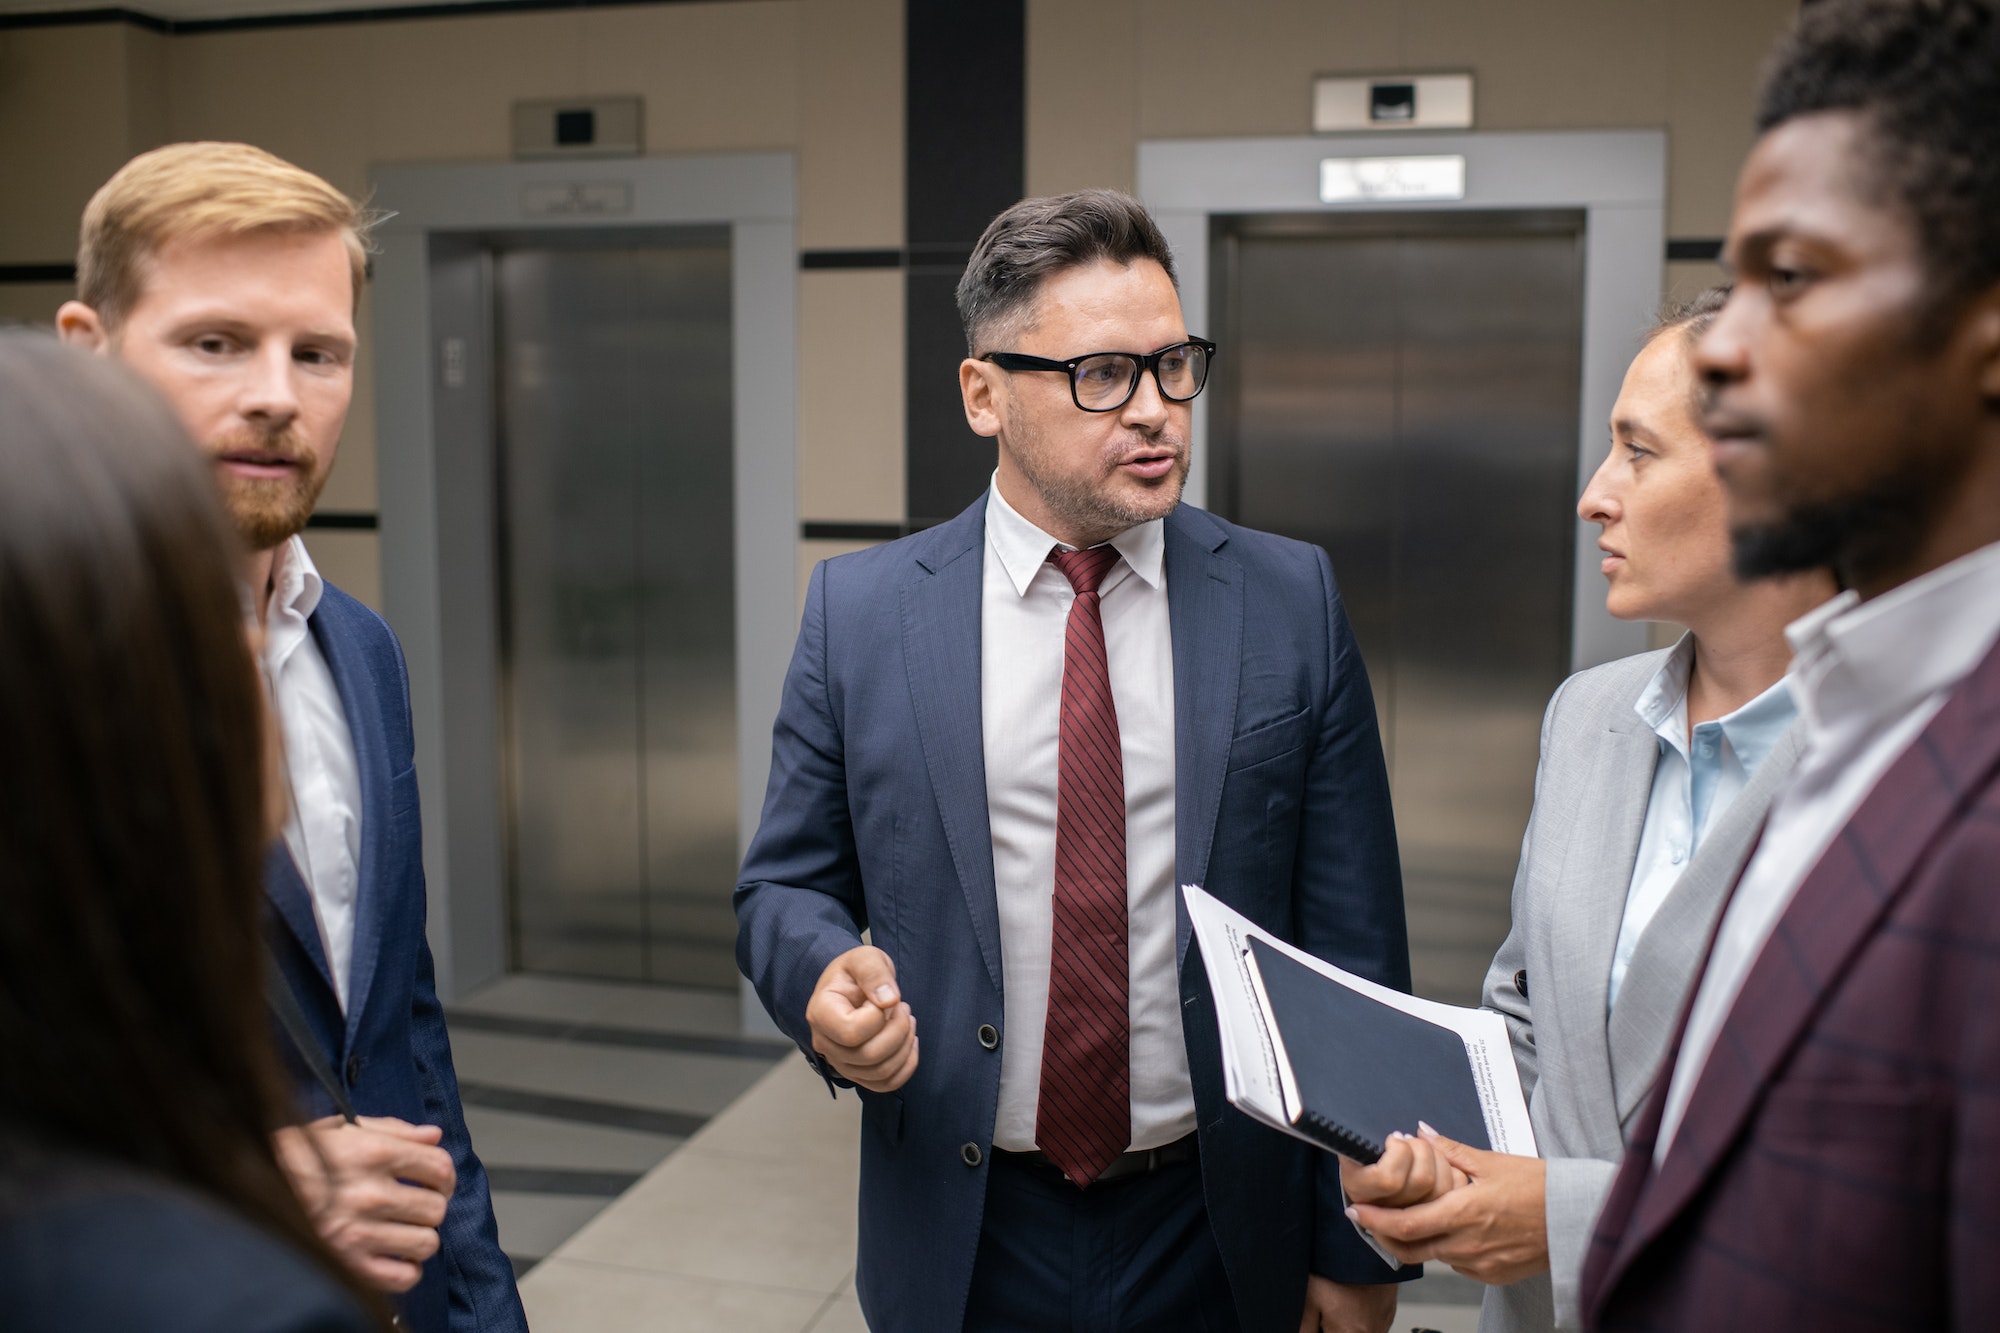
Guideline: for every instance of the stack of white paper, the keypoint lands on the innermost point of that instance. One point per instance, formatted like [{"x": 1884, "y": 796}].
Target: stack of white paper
[{"x": 1255, "y": 1079}]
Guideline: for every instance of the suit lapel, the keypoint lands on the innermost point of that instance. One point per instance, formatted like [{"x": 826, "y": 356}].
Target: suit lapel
[
  {"x": 941, "y": 647},
  {"x": 361, "y": 700},
  {"x": 1837, "y": 908},
  {"x": 1205, "y": 620},
  {"x": 1590, "y": 901},
  {"x": 1669, "y": 953},
  {"x": 293, "y": 902}
]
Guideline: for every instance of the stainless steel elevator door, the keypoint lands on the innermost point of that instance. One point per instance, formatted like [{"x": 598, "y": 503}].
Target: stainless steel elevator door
[
  {"x": 1403, "y": 392},
  {"x": 618, "y": 606}
]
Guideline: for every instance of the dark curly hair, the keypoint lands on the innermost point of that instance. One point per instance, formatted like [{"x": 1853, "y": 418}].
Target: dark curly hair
[
  {"x": 1037, "y": 238},
  {"x": 1926, "y": 75}
]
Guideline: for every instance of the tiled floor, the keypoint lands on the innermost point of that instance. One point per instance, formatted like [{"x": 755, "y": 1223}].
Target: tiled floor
[
  {"x": 749, "y": 1226},
  {"x": 655, "y": 1172},
  {"x": 573, "y": 1090}
]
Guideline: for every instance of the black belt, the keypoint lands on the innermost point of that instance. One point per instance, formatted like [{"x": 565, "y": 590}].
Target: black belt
[{"x": 1181, "y": 1152}]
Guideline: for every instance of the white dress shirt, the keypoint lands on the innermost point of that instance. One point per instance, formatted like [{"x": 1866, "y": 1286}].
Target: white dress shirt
[
  {"x": 1869, "y": 677},
  {"x": 323, "y": 822},
  {"x": 1696, "y": 780},
  {"x": 1024, "y": 613}
]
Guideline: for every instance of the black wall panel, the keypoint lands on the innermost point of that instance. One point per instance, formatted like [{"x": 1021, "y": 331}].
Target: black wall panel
[{"x": 965, "y": 137}]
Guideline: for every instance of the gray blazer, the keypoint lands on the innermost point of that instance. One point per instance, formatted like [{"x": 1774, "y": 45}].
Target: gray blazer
[{"x": 1587, "y": 1077}]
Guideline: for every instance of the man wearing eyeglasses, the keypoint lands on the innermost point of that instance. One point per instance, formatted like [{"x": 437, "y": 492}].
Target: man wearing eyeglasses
[{"x": 1002, "y": 745}]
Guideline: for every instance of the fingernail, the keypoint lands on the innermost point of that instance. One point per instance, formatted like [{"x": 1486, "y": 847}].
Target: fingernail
[
  {"x": 1353, "y": 1216},
  {"x": 885, "y": 994},
  {"x": 1427, "y": 1131}
]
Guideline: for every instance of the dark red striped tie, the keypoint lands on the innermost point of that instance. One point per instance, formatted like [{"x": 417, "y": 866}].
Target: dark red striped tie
[{"x": 1084, "y": 1119}]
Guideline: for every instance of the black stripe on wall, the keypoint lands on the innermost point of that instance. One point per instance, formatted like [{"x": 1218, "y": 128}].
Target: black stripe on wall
[
  {"x": 12, "y": 273},
  {"x": 852, "y": 532},
  {"x": 244, "y": 22},
  {"x": 1693, "y": 248},
  {"x": 337, "y": 522},
  {"x": 965, "y": 153},
  {"x": 66, "y": 18},
  {"x": 945, "y": 256},
  {"x": 822, "y": 259}
]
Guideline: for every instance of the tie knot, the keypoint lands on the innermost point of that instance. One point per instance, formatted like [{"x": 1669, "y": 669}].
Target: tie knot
[{"x": 1085, "y": 569}]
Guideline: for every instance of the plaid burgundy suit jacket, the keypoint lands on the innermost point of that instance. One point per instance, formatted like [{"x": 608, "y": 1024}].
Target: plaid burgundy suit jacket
[{"x": 1838, "y": 1166}]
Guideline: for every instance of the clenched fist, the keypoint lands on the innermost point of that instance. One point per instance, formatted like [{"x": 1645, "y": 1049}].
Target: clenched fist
[{"x": 859, "y": 1022}]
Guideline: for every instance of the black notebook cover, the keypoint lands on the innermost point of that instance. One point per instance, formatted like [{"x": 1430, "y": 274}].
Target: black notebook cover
[{"x": 1363, "y": 1068}]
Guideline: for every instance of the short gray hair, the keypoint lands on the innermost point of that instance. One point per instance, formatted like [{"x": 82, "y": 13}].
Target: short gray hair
[{"x": 1039, "y": 237}]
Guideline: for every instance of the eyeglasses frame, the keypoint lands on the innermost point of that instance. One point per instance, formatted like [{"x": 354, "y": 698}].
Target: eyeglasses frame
[{"x": 1147, "y": 361}]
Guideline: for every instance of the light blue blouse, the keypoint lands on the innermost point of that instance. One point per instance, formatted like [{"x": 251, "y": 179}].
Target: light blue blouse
[{"x": 1695, "y": 780}]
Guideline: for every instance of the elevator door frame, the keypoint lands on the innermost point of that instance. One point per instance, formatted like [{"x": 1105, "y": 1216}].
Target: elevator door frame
[
  {"x": 1616, "y": 178},
  {"x": 433, "y": 419}
]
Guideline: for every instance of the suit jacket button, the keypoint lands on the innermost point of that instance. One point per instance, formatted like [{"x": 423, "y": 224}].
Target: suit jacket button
[
  {"x": 353, "y": 1069},
  {"x": 970, "y": 1154},
  {"x": 1521, "y": 982},
  {"x": 989, "y": 1036}
]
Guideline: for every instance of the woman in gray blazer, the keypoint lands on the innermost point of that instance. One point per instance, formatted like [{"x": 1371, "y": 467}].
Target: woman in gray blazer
[{"x": 1655, "y": 775}]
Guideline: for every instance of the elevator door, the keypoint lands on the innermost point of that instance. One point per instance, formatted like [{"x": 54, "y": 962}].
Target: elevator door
[
  {"x": 1403, "y": 392},
  {"x": 618, "y": 620}
]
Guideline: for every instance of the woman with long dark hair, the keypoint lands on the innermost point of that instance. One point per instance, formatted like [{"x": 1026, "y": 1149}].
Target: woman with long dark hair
[{"x": 138, "y": 1088}]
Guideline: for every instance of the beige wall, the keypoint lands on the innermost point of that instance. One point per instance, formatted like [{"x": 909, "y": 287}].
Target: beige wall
[
  {"x": 33, "y": 302},
  {"x": 1105, "y": 74},
  {"x": 824, "y": 79},
  {"x": 851, "y": 396},
  {"x": 74, "y": 104},
  {"x": 820, "y": 78},
  {"x": 1686, "y": 278}
]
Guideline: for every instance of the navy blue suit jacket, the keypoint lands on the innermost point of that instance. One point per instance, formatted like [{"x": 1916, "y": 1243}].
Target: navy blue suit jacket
[
  {"x": 876, "y": 819},
  {"x": 390, "y": 1048}
]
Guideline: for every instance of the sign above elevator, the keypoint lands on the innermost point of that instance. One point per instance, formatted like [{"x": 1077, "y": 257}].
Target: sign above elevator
[
  {"x": 1392, "y": 102},
  {"x": 1345, "y": 180},
  {"x": 576, "y": 199},
  {"x": 579, "y": 127}
]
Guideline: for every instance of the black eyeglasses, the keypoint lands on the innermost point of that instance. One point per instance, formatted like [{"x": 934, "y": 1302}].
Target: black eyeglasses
[{"x": 1106, "y": 381}]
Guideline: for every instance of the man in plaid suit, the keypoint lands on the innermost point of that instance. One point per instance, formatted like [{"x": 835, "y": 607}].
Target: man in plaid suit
[{"x": 1826, "y": 1152}]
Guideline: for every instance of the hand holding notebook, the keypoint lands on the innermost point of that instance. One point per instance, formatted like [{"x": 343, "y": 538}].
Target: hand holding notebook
[{"x": 1342, "y": 1062}]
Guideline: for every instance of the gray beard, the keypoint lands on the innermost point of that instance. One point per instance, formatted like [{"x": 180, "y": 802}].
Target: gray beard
[{"x": 1082, "y": 508}]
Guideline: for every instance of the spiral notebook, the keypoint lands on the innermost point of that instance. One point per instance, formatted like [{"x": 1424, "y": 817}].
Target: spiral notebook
[
  {"x": 1353, "y": 1070},
  {"x": 1342, "y": 1061}
]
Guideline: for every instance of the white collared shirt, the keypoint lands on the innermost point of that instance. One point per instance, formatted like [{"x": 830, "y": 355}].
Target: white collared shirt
[
  {"x": 323, "y": 821},
  {"x": 1869, "y": 677},
  {"x": 1024, "y": 613},
  {"x": 1698, "y": 777}
]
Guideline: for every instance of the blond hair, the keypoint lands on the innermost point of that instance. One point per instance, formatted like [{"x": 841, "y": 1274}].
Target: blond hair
[{"x": 201, "y": 191}]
